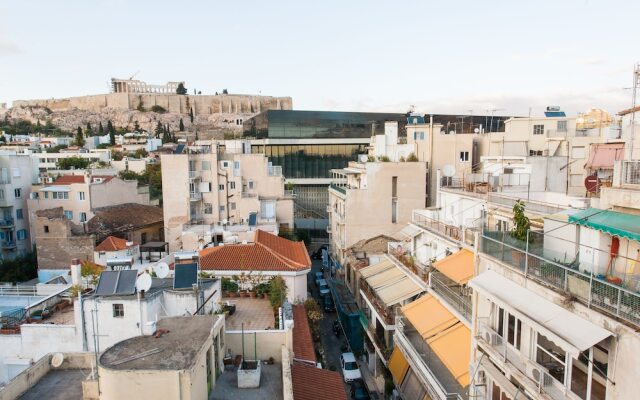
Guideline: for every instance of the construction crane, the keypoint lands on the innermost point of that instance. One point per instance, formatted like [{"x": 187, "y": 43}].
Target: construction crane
[{"x": 134, "y": 75}]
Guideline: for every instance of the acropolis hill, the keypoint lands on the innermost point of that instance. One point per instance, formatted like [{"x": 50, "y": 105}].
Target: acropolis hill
[{"x": 132, "y": 101}]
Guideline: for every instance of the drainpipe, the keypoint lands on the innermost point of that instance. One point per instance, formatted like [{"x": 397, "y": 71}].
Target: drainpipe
[{"x": 430, "y": 165}]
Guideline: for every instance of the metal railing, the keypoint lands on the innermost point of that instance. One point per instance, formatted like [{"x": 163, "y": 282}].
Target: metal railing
[
  {"x": 538, "y": 375},
  {"x": 592, "y": 287},
  {"x": 249, "y": 194},
  {"x": 195, "y": 195},
  {"x": 8, "y": 244},
  {"x": 194, "y": 174},
  {"x": 483, "y": 182},
  {"x": 631, "y": 172},
  {"x": 531, "y": 206},
  {"x": 400, "y": 255},
  {"x": 423, "y": 221},
  {"x": 338, "y": 188},
  {"x": 274, "y": 170},
  {"x": 18, "y": 291},
  {"x": 289, "y": 193},
  {"x": 6, "y": 222},
  {"x": 454, "y": 294}
]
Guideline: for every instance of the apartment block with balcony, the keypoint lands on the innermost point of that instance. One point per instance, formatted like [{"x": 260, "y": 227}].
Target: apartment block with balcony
[
  {"x": 219, "y": 192},
  {"x": 18, "y": 173}
]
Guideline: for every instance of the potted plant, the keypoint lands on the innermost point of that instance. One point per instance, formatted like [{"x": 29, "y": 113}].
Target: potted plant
[{"x": 520, "y": 231}]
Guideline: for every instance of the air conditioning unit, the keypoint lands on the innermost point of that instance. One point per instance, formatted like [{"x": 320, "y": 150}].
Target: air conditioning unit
[
  {"x": 492, "y": 338},
  {"x": 481, "y": 378},
  {"x": 539, "y": 375}
]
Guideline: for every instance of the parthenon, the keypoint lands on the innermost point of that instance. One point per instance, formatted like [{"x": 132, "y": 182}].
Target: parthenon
[{"x": 136, "y": 86}]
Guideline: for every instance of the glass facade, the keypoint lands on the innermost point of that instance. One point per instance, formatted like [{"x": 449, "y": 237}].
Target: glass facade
[
  {"x": 320, "y": 124},
  {"x": 310, "y": 160}
]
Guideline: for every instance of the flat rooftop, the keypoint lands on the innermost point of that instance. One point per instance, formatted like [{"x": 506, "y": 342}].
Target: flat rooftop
[
  {"x": 174, "y": 350},
  {"x": 256, "y": 314},
  {"x": 58, "y": 385},
  {"x": 226, "y": 387}
]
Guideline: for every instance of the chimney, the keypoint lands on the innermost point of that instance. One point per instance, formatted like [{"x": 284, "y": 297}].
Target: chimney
[{"x": 75, "y": 271}]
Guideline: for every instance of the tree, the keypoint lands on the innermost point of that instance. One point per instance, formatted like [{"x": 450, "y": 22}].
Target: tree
[
  {"x": 100, "y": 129},
  {"x": 79, "y": 138},
  {"x": 112, "y": 137},
  {"x": 73, "y": 163},
  {"x": 136, "y": 127},
  {"x": 196, "y": 135},
  {"x": 159, "y": 129},
  {"x": 158, "y": 109},
  {"x": 38, "y": 127},
  {"x": 521, "y": 223},
  {"x": 277, "y": 291},
  {"x": 117, "y": 156},
  {"x": 181, "y": 89},
  {"x": 89, "y": 131},
  {"x": 181, "y": 125},
  {"x": 224, "y": 91},
  {"x": 314, "y": 315},
  {"x": 191, "y": 114}
]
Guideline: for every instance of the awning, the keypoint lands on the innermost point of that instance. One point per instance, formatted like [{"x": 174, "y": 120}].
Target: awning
[
  {"x": 458, "y": 267},
  {"x": 397, "y": 365},
  {"x": 390, "y": 283},
  {"x": 55, "y": 189},
  {"x": 604, "y": 155},
  {"x": 409, "y": 231},
  {"x": 610, "y": 222},
  {"x": 453, "y": 348},
  {"x": 428, "y": 316},
  {"x": 569, "y": 331}
]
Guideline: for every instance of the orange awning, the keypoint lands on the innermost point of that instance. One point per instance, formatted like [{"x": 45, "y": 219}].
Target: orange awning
[
  {"x": 458, "y": 267},
  {"x": 397, "y": 365},
  {"x": 453, "y": 348},
  {"x": 428, "y": 316},
  {"x": 604, "y": 155}
]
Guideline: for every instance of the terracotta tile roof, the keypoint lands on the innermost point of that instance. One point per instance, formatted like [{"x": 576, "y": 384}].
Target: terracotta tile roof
[
  {"x": 69, "y": 179},
  {"x": 268, "y": 253},
  {"x": 302, "y": 340},
  {"x": 124, "y": 217},
  {"x": 311, "y": 383},
  {"x": 112, "y": 243},
  {"x": 105, "y": 178}
]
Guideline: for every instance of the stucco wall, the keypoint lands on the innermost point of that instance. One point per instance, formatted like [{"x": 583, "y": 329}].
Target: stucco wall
[{"x": 267, "y": 343}]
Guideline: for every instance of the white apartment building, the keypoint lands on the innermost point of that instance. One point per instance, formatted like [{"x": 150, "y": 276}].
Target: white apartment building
[
  {"x": 18, "y": 174},
  {"x": 220, "y": 192},
  {"x": 49, "y": 161}
]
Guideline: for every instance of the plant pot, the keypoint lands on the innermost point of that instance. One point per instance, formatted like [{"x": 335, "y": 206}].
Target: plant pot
[
  {"x": 252, "y": 295},
  {"x": 232, "y": 294},
  {"x": 518, "y": 257}
]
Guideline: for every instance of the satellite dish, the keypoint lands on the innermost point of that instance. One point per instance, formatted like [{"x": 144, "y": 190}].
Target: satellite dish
[
  {"x": 57, "y": 360},
  {"x": 161, "y": 269},
  {"x": 476, "y": 130},
  {"x": 452, "y": 132},
  {"x": 363, "y": 158},
  {"x": 448, "y": 170},
  {"x": 144, "y": 282}
]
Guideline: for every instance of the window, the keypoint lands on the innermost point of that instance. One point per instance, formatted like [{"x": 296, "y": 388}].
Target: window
[
  {"x": 221, "y": 208},
  {"x": 267, "y": 209},
  {"x": 225, "y": 164},
  {"x": 236, "y": 165},
  {"x": 46, "y": 195},
  {"x": 143, "y": 237},
  {"x": 221, "y": 187},
  {"x": 514, "y": 331},
  {"x": 21, "y": 234},
  {"x": 538, "y": 129},
  {"x": 551, "y": 356},
  {"x": 46, "y": 229},
  {"x": 19, "y": 214},
  {"x": 1, "y": 194},
  {"x": 80, "y": 195},
  {"x": 83, "y": 217},
  {"x": 251, "y": 184},
  {"x": 16, "y": 172},
  {"x": 17, "y": 193},
  {"x": 208, "y": 208},
  {"x": 232, "y": 185},
  {"x": 418, "y": 135},
  {"x": 118, "y": 310},
  {"x": 68, "y": 215},
  {"x": 206, "y": 165},
  {"x": 232, "y": 206},
  {"x": 60, "y": 195},
  {"x": 394, "y": 210},
  {"x": 578, "y": 152},
  {"x": 533, "y": 153},
  {"x": 562, "y": 126},
  {"x": 464, "y": 156}
]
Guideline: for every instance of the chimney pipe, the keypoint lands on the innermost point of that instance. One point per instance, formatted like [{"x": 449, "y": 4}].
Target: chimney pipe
[{"x": 76, "y": 273}]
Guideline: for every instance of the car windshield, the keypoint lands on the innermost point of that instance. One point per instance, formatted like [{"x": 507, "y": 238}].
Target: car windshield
[{"x": 349, "y": 366}]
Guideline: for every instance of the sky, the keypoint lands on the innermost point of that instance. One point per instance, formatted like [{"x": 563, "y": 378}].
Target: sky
[{"x": 349, "y": 55}]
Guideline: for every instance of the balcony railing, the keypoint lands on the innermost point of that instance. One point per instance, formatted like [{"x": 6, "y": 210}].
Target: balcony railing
[
  {"x": 483, "y": 183},
  {"x": 455, "y": 295},
  {"x": 337, "y": 188},
  {"x": 18, "y": 291},
  {"x": 249, "y": 194},
  {"x": 6, "y": 223},
  {"x": 537, "y": 374},
  {"x": 194, "y": 174},
  {"x": 425, "y": 222},
  {"x": 274, "y": 170},
  {"x": 631, "y": 172},
  {"x": 443, "y": 384},
  {"x": 195, "y": 196},
  {"x": 7, "y": 244},
  {"x": 402, "y": 256},
  {"x": 289, "y": 193},
  {"x": 593, "y": 287},
  {"x": 386, "y": 313}
]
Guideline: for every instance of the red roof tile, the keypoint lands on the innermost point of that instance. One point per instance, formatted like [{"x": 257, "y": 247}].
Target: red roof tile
[
  {"x": 302, "y": 341},
  {"x": 69, "y": 179},
  {"x": 112, "y": 243},
  {"x": 268, "y": 253},
  {"x": 311, "y": 383}
]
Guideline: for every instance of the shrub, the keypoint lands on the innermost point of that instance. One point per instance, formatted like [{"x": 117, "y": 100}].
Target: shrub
[
  {"x": 158, "y": 109},
  {"x": 383, "y": 159},
  {"x": 73, "y": 163},
  {"x": 412, "y": 158},
  {"x": 277, "y": 291}
]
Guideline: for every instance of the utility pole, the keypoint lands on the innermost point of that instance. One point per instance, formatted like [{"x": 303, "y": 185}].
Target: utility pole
[{"x": 636, "y": 84}]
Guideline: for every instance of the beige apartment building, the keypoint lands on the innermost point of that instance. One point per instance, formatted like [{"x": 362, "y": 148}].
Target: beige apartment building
[
  {"x": 220, "y": 192},
  {"x": 80, "y": 195}
]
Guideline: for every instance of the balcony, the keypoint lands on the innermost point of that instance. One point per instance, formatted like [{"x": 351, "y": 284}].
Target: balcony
[
  {"x": 442, "y": 384},
  {"x": 455, "y": 295},
  {"x": 194, "y": 175},
  {"x": 536, "y": 375},
  {"x": 480, "y": 184},
  {"x": 585, "y": 282},
  {"x": 6, "y": 223},
  {"x": 289, "y": 193},
  {"x": 195, "y": 196},
  {"x": 274, "y": 170},
  {"x": 453, "y": 232},
  {"x": 387, "y": 314},
  {"x": 339, "y": 189},
  {"x": 249, "y": 195},
  {"x": 631, "y": 172},
  {"x": 402, "y": 256},
  {"x": 8, "y": 244}
]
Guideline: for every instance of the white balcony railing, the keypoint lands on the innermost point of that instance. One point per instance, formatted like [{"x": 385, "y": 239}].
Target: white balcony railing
[
  {"x": 194, "y": 196},
  {"x": 631, "y": 172}
]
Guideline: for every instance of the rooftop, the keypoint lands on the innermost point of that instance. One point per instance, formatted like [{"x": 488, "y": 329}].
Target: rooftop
[
  {"x": 112, "y": 243},
  {"x": 256, "y": 314},
  {"x": 311, "y": 383},
  {"x": 268, "y": 253},
  {"x": 174, "y": 350},
  {"x": 129, "y": 215},
  {"x": 58, "y": 385},
  {"x": 69, "y": 179},
  {"x": 303, "y": 348},
  {"x": 226, "y": 387}
]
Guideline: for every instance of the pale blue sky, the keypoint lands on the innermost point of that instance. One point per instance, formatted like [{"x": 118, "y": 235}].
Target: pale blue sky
[{"x": 447, "y": 56}]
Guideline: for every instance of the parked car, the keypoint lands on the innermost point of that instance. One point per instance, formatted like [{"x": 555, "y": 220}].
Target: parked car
[
  {"x": 350, "y": 369},
  {"x": 317, "y": 255},
  {"x": 323, "y": 287},
  {"x": 359, "y": 390},
  {"x": 318, "y": 277},
  {"x": 327, "y": 303}
]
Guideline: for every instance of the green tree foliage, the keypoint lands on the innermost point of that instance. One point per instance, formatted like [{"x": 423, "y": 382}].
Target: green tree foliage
[
  {"x": 100, "y": 129},
  {"x": 277, "y": 291},
  {"x": 19, "y": 269},
  {"x": 79, "y": 138},
  {"x": 112, "y": 133},
  {"x": 314, "y": 315},
  {"x": 181, "y": 89},
  {"x": 412, "y": 158},
  {"x": 117, "y": 156},
  {"x": 136, "y": 127},
  {"x": 56, "y": 149},
  {"x": 521, "y": 223},
  {"x": 151, "y": 176},
  {"x": 140, "y": 153},
  {"x": 181, "y": 125},
  {"x": 89, "y": 131},
  {"x": 191, "y": 114},
  {"x": 73, "y": 163},
  {"x": 158, "y": 109},
  {"x": 224, "y": 91},
  {"x": 159, "y": 129}
]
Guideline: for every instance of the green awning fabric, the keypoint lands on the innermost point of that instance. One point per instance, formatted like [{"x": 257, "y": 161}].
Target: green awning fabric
[{"x": 610, "y": 222}]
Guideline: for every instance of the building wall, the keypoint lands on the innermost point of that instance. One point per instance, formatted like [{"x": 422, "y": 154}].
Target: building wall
[
  {"x": 49, "y": 161},
  {"x": 268, "y": 343},
  {"x": 59, "y": 246},
  {"x": 102, "y": 195}
]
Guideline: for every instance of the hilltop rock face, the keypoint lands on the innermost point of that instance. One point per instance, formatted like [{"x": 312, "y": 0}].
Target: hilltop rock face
[{"x": 212, "y": 125}]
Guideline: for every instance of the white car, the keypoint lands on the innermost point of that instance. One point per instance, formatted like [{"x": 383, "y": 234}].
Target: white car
[
  {"x": 323, "y": 287},
  {"x": 350, "y": 369}
]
